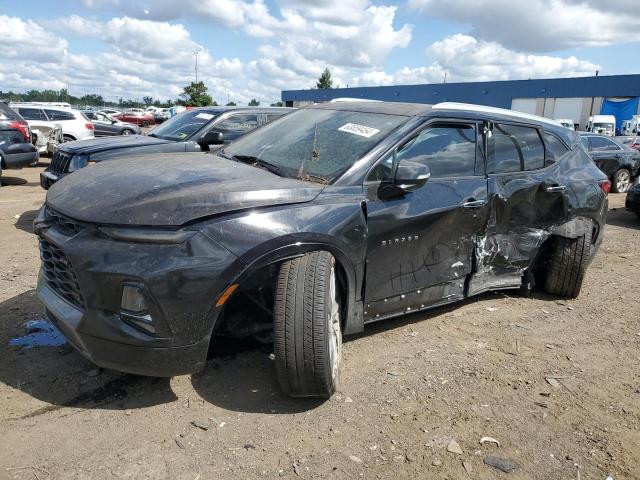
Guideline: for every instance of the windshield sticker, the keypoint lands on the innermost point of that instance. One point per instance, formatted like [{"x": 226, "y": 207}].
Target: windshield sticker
[
  {"x": 359, "y": 130},
  {"x": 206, "y": 116}
]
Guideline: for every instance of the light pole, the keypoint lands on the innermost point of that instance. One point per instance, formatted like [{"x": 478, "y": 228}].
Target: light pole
[{"x": 195, "y": 54}]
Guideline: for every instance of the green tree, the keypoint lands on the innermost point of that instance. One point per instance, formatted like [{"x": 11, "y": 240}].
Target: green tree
[
  {"x": 325, "y": 82},
  {"x": 195, "y": 95},
  {"x": 254, "y": 103},
  {"x": 147, "y": 100},
  {"x": 231, "y": 104}
]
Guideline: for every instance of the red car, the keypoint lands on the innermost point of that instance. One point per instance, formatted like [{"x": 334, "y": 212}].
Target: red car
[
  {"x": 139, "y": 118},
  {"x": 631, "y": 142}
]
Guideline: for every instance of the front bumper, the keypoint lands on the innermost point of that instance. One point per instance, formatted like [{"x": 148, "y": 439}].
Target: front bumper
[
  {"x": 47, "y": 179},
  {"x": 182, "y": 282}
]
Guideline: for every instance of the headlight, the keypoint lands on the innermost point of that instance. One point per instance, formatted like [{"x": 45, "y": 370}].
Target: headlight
[{"x": 77, "y": 162}]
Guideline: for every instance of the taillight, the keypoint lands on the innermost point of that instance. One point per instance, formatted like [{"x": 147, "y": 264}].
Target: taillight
[
  {"x": 605, "y": 185},
  {"x": 89, "y": 126},
  {"x": 23, "y": 127}
]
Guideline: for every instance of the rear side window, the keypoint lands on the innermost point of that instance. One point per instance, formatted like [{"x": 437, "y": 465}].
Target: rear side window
[
  {"x": 449, "y": 150},
  {"x": 601, "y": 143},
  {"x": 57, "y": 115},
  {"x": 555, "y": 149},
  {"x": 515, "y": 149},
  {"x": 32, "y": 114}
]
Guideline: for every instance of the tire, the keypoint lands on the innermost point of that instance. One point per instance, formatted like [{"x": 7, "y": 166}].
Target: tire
[
  {"x": 127, "y": 131},
  {"x": 145, "y": 124},
  {"x": 621, "y": 181},
  {"x": 68, "y": 138},
  {"x": 569, "y": 261},
  {"x": 306, "y": 328}
]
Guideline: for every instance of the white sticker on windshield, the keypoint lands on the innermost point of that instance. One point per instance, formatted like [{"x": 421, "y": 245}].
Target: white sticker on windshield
[
  {"x": 206, "y": 116},
  {"x": 359, "y": 130}
]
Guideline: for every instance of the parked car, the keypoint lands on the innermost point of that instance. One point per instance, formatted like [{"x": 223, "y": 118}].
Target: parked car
[
  {"x": 141, "y": 118},
  {"x": 632, "y": 202},
  {"x": 16, "y": 149},
  {"x": 106, "y": 126},
  {"x": 273, "y": 235},
  {"x": 110, "y": 111},
  {"x": 620, "y": 164},
  {"x": 630, "y": 142},
  {"x": 195, "y": 130},
  {"x": 566, "y": 122},
  {"x": 75, "y": 126},
  {"x": 602, "y": 124}
]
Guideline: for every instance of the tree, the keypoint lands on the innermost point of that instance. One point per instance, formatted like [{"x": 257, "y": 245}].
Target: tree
[
  {"x": 231, "y": 104},
  {"x": 147, "y": 100},
  {"x": 195, "y": 95},
  {"x": 325, "y": 82},
  {"x": 277, "y": 104},
  {"x": 254, "y": 103}
]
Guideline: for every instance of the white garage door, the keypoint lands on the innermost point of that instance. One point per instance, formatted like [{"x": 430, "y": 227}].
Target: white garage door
[
  {"x": 568, "y": 108},
  {"x": 524, "y": 105}
]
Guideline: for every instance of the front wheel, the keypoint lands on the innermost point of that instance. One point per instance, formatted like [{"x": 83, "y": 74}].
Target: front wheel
[
  {"x": 621, "y": 181},
  {"x": 126, "y": 131},
  {"x": 306, "y": 329}
]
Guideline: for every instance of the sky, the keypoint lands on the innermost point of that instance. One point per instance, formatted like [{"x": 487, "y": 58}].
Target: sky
[{"x": 257, "y": 48}]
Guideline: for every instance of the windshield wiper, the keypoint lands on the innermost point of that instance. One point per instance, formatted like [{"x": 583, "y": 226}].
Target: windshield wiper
[{"x": 258, "y": 162}]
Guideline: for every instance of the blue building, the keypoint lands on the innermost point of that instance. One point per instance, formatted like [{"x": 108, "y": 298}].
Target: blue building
[{"x": 560, "y": 98}]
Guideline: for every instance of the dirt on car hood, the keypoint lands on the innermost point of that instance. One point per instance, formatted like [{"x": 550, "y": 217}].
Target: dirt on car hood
[{"x": 171, "y": 190}]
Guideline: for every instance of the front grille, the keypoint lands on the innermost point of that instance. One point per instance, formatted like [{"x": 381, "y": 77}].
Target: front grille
[
  {"x": 60, "y": 162},
  {"x": 65, "y": 224},
  {"x": 59, "y": 274}
]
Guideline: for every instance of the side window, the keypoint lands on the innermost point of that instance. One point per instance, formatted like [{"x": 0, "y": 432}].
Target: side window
[
  {"x": 57, "y": 115},
  {"x": 515, "y": 149},
  {"x": 449, "y": 150},
  {"x": 585, "y": 142},
  {"x": 600, "y": 144},
  {"x": 32, "y": 114},
  {"x": 273, "y": 116},
  {"x": 554, "y": 150},
  {"x": 237, "y": 125}
]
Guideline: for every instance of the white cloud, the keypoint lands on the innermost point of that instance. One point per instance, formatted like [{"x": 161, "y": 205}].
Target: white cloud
[
  {"x": 20, "y": 39},
  {"x": 541, "y": 25}
]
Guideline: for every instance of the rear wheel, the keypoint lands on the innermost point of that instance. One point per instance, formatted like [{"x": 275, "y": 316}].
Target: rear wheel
[
  {"x": 569, "y": 261},
  {"x": 621, "y": 181},
  {"x": 145, "y": 124},
  {"x": 306, "y": 329},
  {"x": 126, "y": 131}
]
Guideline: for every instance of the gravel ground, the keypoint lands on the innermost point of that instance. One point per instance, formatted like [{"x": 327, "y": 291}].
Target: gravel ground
[{"x": 555, "y": 382}]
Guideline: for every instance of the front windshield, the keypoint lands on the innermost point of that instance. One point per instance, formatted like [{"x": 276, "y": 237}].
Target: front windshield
[
  {"x": 603, "y": 125},
  {"x": 182, "y": 126},
  {"x": 314, "y": 144}
]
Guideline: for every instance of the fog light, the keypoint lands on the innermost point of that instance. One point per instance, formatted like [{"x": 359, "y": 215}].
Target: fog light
[{"x": 133, "y": 309}]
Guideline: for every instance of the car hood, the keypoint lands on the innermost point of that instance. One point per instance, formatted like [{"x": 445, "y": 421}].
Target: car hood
[
  {"x": 101, "y": 144},
  {"x": 171, "y": 190}
]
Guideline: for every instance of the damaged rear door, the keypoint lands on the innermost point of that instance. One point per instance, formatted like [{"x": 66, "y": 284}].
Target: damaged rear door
[
  {"x": 527, "y": 197},
  {"x": 421, "y": 244}
]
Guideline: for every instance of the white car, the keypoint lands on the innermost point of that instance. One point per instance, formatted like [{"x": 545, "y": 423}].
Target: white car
[{"x": 44, "y": 119}]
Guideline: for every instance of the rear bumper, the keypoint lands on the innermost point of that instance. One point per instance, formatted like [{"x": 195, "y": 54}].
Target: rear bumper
[
  {"x": 15, "y": 161},
  {"x": 140, "y": 360}
]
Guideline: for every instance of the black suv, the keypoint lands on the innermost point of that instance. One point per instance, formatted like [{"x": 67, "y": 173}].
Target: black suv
[
  {"x": 329, "y": 218},
  {"x": 194, "y": 130},
  {"x": 16, "y": 149},
  {"x": 619, "y": 163}
]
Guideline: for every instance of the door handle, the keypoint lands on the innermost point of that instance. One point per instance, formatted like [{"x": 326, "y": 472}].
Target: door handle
[
  {"x": 474, "y": 203},
  {"x": 556, "y": 188}
]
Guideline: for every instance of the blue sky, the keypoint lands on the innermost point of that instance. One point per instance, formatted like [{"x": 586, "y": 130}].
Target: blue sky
[{"x": 256, "y": 48}]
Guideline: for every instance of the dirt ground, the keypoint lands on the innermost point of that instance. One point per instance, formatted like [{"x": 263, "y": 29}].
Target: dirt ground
[{"x": 556, "y": 382}]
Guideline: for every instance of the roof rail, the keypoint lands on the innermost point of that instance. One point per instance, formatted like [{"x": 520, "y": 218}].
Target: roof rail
[
  {"x": 349, "y": 99},
  {"x": 500, "y": 111}
]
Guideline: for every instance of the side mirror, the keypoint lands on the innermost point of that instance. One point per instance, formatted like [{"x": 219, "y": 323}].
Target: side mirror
[
  {"x": 211, "y": 138},
  {"x": 411, "y": 175}
]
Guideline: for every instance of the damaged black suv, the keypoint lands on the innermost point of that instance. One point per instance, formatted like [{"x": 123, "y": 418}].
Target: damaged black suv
[{"x": 329, "y": 218}]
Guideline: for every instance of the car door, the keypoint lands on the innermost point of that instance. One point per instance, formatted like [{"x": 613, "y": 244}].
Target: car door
[
  {"x": 605, "y": 153},
  {"x": 421, "y": 244},
  {"x": 103, "y": 125},
  {"x": 526, "y": 196}
]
